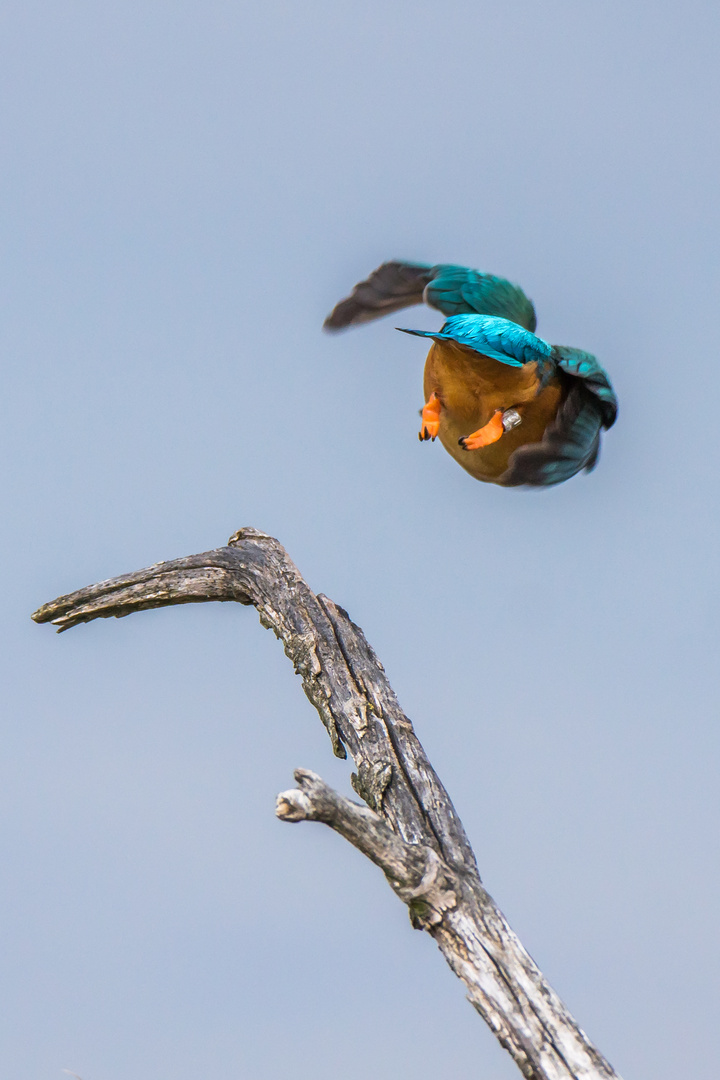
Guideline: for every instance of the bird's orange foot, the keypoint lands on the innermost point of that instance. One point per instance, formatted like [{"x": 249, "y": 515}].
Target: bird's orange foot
[
  {"x": 484, "y": 436},
  {"x": 430, "y": 419}
]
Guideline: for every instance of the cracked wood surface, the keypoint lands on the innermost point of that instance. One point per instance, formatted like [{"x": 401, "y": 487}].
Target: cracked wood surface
[{"x": 411, "y": 829}]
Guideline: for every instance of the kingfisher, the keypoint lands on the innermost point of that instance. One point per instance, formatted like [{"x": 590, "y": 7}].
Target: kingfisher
[{"x": 509, "y": 407}]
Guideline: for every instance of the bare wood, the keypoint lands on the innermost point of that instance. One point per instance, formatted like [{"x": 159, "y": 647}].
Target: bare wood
[{"x": 409, "y": 827}]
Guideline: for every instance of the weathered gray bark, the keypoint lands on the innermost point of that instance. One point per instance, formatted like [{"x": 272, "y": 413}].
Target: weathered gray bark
[{"x": 409, "y": 828}]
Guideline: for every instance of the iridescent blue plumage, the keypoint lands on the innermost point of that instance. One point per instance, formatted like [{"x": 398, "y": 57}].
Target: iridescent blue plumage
[
  {"x": 491, "y": 336},
  {"x": 582, "y": 365},
  {"x": 561, "y": 397},
  {"x": 456, "y": 290}
]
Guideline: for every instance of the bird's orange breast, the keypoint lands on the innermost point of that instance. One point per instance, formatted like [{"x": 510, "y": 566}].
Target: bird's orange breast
[{"x": 471, "y": 388}]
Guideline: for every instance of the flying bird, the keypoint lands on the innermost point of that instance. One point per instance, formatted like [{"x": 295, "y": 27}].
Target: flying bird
[{"x": 509, "y": 407}]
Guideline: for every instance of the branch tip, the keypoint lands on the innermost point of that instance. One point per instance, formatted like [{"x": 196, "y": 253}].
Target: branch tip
[
  {"x": 293, "y": 806},
  {"x": 248, "y": 533}
]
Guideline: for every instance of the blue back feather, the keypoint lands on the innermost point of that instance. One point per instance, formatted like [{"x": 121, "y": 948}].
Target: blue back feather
[{"x": 489, "y": 335}]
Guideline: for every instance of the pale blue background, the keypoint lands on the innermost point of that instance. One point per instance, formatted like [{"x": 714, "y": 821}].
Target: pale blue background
[{"x": 186, "y": 190}]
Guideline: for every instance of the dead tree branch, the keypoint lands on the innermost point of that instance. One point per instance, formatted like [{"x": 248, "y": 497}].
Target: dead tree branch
[{"x": 410, "y": 828}]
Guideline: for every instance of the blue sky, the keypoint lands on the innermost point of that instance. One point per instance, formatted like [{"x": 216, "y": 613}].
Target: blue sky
[{"x": 187, "y": 190}]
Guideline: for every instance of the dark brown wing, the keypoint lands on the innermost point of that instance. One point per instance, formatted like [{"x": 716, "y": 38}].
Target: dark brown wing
[{"x": 393, "y": 286}]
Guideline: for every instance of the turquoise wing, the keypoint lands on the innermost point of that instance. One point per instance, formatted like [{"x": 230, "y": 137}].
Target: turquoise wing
[
  {"x": 456, "y": 290},
  {"x": 453, "y": 290},
  {"x": 585, "y": 367},
  {"x": 572, "y": 442},
  {"x": 489, "y": 335}
]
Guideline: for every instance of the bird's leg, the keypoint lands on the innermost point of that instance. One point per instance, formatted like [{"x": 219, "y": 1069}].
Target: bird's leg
[
  {"x": 430, "y": 418},
  {"x": 499, "y": 423},
  {"x": 486, "y": 435}
]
